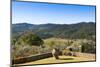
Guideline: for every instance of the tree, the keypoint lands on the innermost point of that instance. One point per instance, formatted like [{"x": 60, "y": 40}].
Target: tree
[
  {"x": 13, "y": 41},
  {"x": 88, "y": 48},
  {"x": 30, "y": 39}
]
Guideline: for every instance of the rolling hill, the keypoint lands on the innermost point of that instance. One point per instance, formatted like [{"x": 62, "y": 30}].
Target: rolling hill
[{"x": 79, "y": 30}]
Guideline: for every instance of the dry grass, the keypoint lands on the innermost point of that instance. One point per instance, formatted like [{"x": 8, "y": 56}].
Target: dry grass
[{"x": 63, "y": 59}]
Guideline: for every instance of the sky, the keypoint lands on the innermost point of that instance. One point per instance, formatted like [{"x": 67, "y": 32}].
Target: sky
[{"x": 43, "y": 13}]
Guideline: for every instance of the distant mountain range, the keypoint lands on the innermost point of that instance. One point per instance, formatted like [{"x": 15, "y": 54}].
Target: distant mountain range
[{"x": 78, "y": 30}]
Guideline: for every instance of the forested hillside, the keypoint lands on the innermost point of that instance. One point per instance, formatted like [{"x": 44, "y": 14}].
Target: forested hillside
[{"x": 80, "y": 30}]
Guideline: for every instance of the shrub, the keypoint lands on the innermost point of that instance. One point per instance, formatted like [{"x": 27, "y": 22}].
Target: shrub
[{"x": 30, "y": 39}]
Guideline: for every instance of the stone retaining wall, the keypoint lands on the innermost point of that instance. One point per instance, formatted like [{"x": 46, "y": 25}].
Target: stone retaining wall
[
  {"x": 47, "y": 55},
  {"x": 31, "y": 58}
]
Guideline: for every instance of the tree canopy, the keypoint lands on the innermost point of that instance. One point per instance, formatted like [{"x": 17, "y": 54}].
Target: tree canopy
[{"x": 30, "y": 39}]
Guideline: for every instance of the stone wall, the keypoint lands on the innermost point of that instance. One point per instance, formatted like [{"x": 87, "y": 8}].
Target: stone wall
[
  {"x": 31, "y": 58},
  {"x": 47, "y": 55}
]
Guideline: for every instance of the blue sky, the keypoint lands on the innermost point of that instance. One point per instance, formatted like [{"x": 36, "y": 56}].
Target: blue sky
[{"x": 42, "y": 13}]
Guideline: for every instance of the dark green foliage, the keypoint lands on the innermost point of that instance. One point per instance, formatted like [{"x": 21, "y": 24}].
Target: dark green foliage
[
  {"x": 24, "y": 51},
  {"x": 13, "y": 41},
  {"x": 26, "y": 44},
  {"x": 81, "y": 30},
  {"x": 30, "y": 39},
  {"x": 88, "y": 48}
]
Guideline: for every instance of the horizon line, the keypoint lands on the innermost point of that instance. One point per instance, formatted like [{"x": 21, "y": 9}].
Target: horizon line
[{"x": 54, "y": 23}]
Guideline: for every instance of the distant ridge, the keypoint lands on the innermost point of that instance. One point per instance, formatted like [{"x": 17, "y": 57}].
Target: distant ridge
[{"x": 78, "y": 30}]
